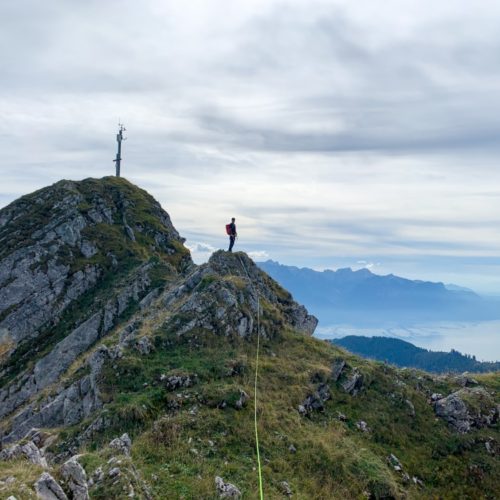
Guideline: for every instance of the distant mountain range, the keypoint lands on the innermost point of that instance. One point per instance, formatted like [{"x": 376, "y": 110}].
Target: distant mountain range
[
  {"x": 404, "y": 354},
  {"x": 363, "y": 298}
]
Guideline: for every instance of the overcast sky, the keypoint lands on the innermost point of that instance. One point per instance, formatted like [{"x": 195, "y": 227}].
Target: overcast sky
[{"x": 338, "y": 133}]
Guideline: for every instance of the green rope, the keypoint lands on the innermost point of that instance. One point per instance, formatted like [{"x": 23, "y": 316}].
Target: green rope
[
  {"x": 255, "y": 400},
  {"x": 257, "y": 447}
]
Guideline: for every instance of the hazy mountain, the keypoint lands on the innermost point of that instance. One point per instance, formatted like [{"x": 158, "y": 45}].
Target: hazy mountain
[
  {"x": 458, "y": 288},
  {"x": 127, "y": 371},
  {"x": 362, "y": 297},
  {"x": 404, "y": 354}
]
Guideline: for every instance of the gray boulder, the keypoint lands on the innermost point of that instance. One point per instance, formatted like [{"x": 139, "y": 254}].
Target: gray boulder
[
  {"x": 465, "y": 380},
  {"x": 468, "y": 408},
  {"x": 122, "y": 444},
  {"x": 337, "y": 367},
  {"x": 47, "y": 488},
  {"x": 285, "y": 489},
  {"x": 28, "y": 450},
  {"x": 114, "y": 472},
  {"x": 226, "y": 490},
  {"x": 240, "y": 403},
  {"x": 411, "y": 408},
  {"x": 75, "y": 478},
  {"x": 316, "y": 401},
  {"x": 362, "y": 426},
  {"x": 395, "y": 463},
  {"x": 144, "y": 346},
  {"x": 354, "y": 383},
  {"x": 454, "y": 411},
  {"x": 175, "y": 382}
]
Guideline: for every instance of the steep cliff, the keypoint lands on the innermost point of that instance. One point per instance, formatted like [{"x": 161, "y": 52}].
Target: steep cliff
[{"x": 75, "y": 260}]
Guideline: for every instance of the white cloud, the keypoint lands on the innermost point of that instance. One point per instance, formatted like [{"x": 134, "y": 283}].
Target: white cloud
[
  {"x": 200, "y": 252},
  {"x": 201, "y": 247},
  {"x": 259, "y": 255},
  {"x": 331, "y": 130}
]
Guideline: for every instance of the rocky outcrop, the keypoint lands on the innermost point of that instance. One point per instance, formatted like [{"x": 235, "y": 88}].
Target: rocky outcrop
[
  {"x": 222, "y": 297},
  {"x": 226, "y": 490},
  {"x": 68, "y": 407},
  {"x": 362, "y": 426},
  {"x": 28, "y": 450},
  {"x": 354, "y": 383},
  {"x": 122, "y": 444},
  {"x": 175, "y": 382},
  {"x": 468, "y": 408},
  {"x": 47, "y": 488},
  {"x": 316, "y": 401},
  {"x": 75, "y": 479},
  {"x": 50, "y": 367},
  {"x": 338, "y": 366},
  {"x": 285, "y": 489},
  {"x": 242, "y": 400},
  {"x": 464, "y": 380},
  {"x": 55, "y": 245}
]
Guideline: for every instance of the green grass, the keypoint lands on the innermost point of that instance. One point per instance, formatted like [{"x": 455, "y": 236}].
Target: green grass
[{"x": 181, "y": 443}]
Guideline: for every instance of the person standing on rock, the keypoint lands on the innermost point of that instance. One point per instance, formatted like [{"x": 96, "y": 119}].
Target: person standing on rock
[{"x": 231, "y": 231}]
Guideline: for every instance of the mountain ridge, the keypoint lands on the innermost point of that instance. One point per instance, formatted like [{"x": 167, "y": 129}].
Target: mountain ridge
[
  {"x": 347, "y": 296},
  {"x": 130, "y": 373}
]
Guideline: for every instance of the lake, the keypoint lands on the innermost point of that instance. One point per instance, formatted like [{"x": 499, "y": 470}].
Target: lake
[{"x": 481, "y": 339}]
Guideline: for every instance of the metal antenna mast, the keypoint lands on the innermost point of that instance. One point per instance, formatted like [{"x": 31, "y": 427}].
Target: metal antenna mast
[{"x": 119, "y": 139}]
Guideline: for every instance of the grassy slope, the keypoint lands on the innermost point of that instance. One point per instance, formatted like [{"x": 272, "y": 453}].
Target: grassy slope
[{"x": 179, "y": 453}]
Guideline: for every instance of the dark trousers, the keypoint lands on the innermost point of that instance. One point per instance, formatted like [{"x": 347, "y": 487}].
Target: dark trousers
[{"x": 231, "y": 243}]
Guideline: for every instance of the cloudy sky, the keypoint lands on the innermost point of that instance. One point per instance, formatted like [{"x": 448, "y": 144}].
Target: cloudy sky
[{"x": 338, "y": 133}]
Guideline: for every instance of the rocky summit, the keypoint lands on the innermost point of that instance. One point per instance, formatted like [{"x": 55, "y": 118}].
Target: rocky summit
[{"x": 127, "y": 371}]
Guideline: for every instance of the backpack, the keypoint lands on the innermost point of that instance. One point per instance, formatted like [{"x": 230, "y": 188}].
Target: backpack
[{"x": 228, "y": 229}]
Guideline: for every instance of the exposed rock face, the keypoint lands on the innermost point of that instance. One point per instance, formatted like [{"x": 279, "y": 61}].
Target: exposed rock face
[
  {"x": 122, "y": 444},
  {"x": 316, "y": 401},
  {"x": 75, "y": 478},
  {"x": 175, "y": 382},
  {"x": 241, "y": 266},
  {"x": 354, "y": 383},
  {"x": 47, "y": 488},
  {"x": 58, "y": 245},
  {"x": 227, "y": 291},
  {"x": 43, "y": 236},
  {"x": 48, "y": 369},
  {"x": 68, "y": 407},
  {"x": 467, "y": 408},
  {"x": 337, "y": 368},
  {"x": 28, "y": 450}
]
